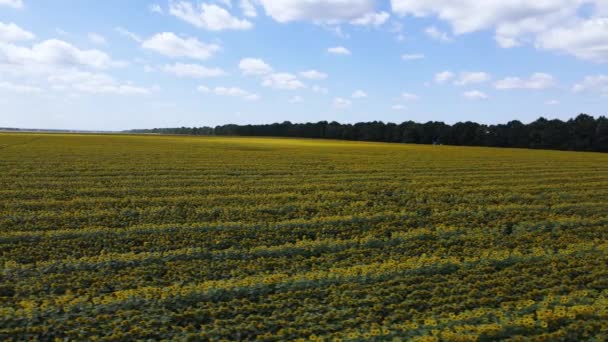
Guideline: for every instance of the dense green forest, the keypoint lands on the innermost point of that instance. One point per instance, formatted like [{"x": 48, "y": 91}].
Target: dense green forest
[{"x": 583, "y": 133}]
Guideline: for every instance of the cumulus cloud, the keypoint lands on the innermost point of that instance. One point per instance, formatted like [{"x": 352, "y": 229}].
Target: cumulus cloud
[
  {"x": 155, "y": 8},
  {"x": 12, "y": 3},
  {"x": 313, "y": 75},
  {"x": 339, "y": 50},
  {"x": 317, "y": 11},
  {"x": 549, "y": 24},
  {"x": 128, "y": 34},
  {"x": 466, "y": 78},
  {"x": 475, "y": 95},
  {"x": 96, "y": 38},
  {"x": 94, "y": 83},
  {"x": 341, "y": 103},
  {"x": 230, "y": 91},
  {"x": 193, "y": 70},
  {"x": 413, "y": 56},
  {"x": 359, "y": 94},
  {"x": 444, "y": 76},
  {"x": 19, "y": 88},
  {"x": 586, "y": 39},
  {"x": 536, "y": 81},
  {"x": 319, "y": 89},
  {"x": 169, "y": 44},
  {"x": 254, "y": 66},
  {"x": 207, "y": 16},
  {"x": 248, "y": 9},
  {"x": 409, "y": 97},
  {"x": 12, "y": 33},
  {"x": 60, "y": 66},
  {"x": 284, "y": 81},
  {"x": 437, "y": 34},
  {"x": 552, "y": 102},
  {"x": 463, "y": 78},
  {"x": 467, "y": 16},
  {"x": 233, "y": 91},
  {"x": 55, "y": 52},
  {"x": 371, "y": 19},
  {"x": 594, "y": 83}
]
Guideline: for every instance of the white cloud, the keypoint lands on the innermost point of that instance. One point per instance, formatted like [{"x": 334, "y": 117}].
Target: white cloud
[
  {"x": 595, "y": 83},
  {"x": 466, "y": 78},
  {"x": 371, "y": 19},
  {"x": 437, "y": 34},
  {"x": 337, "y": 30},
  {"x": 283, "y": 81},
  {"x": 552, "y": 102},
  {"x": 155, "y": 8},
  {"x": 536, "y": 81},
  {"x": 409, "y": 97},
  {"x": 128, "y": 34},
  {"x": 96, "y": 38},
  {"x": 475, "y": 95},
  {"x": 313, "y": 75},
  {"x": 296, "y": 99},
  {"x": 339, "y": 50},
  {"x": 359, "y": 94},
  {"x": 94, "y": 83},
  {"x": 208, "y": 16},
  {"x": 168, "y": 44},
  {"x": 230, "y": 91},
  {"x": 411, "y": 57},
  {"x": 318, "y": 89},
  {"x": 444, "y": 76},
  {"x": 317, "y": 11},
  {"x": 557, "y": 25},
  {"x": 13, "y": 33},
  {"x": 55, "y": 52},
  {"x": 248, "y": 9},
  {"x": 506, "y": 42},
  {"x": 59, "y": 66},
  {"x": 236, "y": 92},
  {"x": 398, "y": 107},
  {"x": 467, "y": 16},
  {"x": 193, "y": 70},
  {"x": 254, "y": 66},
  {"x": 341, "y": 103},
  {"x": 12, "y": 3},
  {"x": 19, "y": 88},
  {"x": 586, "y": 39}
]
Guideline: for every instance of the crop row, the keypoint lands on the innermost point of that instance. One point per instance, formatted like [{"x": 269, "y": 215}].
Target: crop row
[{"x": 151, "y": 237}]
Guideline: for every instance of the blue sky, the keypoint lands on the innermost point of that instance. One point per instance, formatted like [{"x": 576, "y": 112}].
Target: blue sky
[{"x": 118, "y": 64}]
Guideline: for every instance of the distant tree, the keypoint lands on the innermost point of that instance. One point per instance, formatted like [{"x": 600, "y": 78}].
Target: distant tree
[
  {"x": 411, "y": 133},
  {"x": 583, "y": 133},
  {"x": 517, "y": 134},
  {"x": 466, "y": 133},
  {"x": 601, "y": 135}
]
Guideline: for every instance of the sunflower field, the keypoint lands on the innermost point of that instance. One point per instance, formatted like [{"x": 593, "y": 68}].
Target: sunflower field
[{"x": 144, "y": 237}]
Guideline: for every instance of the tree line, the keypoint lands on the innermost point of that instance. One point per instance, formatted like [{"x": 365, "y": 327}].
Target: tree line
[{"x": 583, "y": 133}]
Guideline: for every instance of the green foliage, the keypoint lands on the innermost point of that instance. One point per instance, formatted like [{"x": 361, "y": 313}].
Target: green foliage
[{"x": 583, "y": 133}]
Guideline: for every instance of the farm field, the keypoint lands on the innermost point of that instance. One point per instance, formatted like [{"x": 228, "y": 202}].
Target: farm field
[{"x": 126, "y": 237}]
